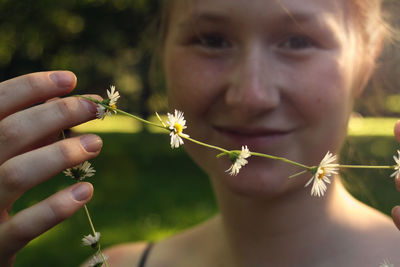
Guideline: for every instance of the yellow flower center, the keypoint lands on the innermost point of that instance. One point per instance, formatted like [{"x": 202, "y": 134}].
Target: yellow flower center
[
  {"x": 113, "y": 106},
  {"x": 321, "y": 173},
  {"x": 178, "y": 128}
]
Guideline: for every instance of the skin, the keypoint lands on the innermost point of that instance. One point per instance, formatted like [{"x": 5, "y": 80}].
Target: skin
[{"x": 259, "y": 91}]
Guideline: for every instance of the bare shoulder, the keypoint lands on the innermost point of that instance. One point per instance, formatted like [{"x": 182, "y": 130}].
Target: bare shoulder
[
  {"x": 378, "y": 240},
  {"x": 186, "y": 248},
  {"x": 366, "y": 236}
]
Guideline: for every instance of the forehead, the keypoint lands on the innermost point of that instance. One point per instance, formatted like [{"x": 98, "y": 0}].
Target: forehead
[{"x": 258, "y": 10}]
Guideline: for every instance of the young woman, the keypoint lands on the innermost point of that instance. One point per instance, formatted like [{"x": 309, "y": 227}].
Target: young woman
[{"x": 279, "y": 76}]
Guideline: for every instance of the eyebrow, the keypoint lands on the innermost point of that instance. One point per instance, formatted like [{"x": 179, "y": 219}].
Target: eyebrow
[
  {"x": 204, "y": 17},
  {"x": 298, "y": 19},
  {"x": 287, "y": 17}
]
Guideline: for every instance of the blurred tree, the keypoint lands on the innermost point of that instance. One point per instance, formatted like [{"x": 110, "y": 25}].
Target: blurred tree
[
  {"x": 96, "y": 39},
  {"x": 99, "y": 40}
]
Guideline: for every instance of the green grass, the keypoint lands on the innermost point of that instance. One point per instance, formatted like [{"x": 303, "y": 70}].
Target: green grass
[
  {"x": 143, "y": 191},
  {"x": 146, "y": 191}
]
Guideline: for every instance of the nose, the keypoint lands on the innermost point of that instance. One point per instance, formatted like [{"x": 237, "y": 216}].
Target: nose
[{"x": 253, "y": 87}]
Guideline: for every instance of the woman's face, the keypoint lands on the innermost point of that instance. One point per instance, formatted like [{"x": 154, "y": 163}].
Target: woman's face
[{"x": 279, "y": 78}]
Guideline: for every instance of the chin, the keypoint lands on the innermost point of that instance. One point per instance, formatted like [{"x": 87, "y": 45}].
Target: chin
[{"x": 261, "y": 179}]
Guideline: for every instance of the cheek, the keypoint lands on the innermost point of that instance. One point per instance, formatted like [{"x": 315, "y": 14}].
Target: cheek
[
  {"x": 192, "y": 82},
  {"x": 325, "y": 98}
]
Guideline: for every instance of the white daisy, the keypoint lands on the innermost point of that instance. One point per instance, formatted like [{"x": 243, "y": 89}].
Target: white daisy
[
  {"x": 176, "y": 123},
  {"x": 113, "y": 96},
  {"x": 325, "y": 169},
  {"x": 80, "y": 171},
  {"x": 101, "y": 112},
  {"x": 97, "y": 260},
  {"x": 89, "y": 240},
  {"x": 386, "y": 263},
  {"x": 239, "y": 160},
  {"x": 397, "y": 168}
]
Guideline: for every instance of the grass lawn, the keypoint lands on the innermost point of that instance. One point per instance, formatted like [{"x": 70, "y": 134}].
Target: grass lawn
[{"x": 145, "y": 191}]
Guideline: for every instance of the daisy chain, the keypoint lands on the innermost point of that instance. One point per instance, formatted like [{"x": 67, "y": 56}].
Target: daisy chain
[
  {"x": 397, "y": 168},
  {"x": 113, "y": 96},
  {"x": 176, "y": 123},
  {"x": 81, "y": 171},
  {"x": 321, "y": 176},
  {"x": 97, "y": 260},
  {"x": 238, "y": 160},
  {"x": 89, "y": 240}
]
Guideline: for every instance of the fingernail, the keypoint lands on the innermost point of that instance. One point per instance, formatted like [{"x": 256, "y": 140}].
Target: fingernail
[
  {"x": 63, "y": 79},
  {"x": 91, "y": 142},
  {"x": 82, "y": 191},
  {"x": 89, "y": 105}
]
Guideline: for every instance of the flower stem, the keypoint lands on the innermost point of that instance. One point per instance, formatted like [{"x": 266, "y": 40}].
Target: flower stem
[
  {"x": 91, "y": 223},
  {"x": 366, "y": 167},
  {"x": 281, "y": 159},
  {"x": 227, "y": 152},
  {"x": 90, "y": 220},
  {"x": 122, "y": 112},
  {"x": 94, "y": 234},
  {"x": 204, "y": 144}
]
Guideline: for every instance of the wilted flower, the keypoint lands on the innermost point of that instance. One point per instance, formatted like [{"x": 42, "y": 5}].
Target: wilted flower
[
  {"x": 238, "y": 160},
  {"x": 89, "y": 240},
  {"x": 80, "y": 171},
  {"x": 321, "y": 176},
  {"x": 97, "y": 260},
  {"x": 113, "y": 96},
  {"x": 176, "y": 123},
  {"x": 397, "y": 168}
]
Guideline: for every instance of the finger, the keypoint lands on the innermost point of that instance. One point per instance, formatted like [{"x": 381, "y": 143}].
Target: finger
[
  {"x": 396, "y": 216},
  {"x": 27, "y": 170},
  {"x": 33, "y": 221},
  {"x": 397, "y": 130},
  {"x": 21, "y": 131},
  {"x": 26, "y": 90}
]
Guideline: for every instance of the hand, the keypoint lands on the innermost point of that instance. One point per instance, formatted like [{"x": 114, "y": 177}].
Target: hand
[
  {"x": 396, "y": 210},
  {"x": 30, "y": 154}
]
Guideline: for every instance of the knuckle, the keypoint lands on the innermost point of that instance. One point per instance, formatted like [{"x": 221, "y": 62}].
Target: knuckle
[
  {"x": 17, "y": 232},
  {"x": 58, "y": 211},
  {"x": 11, "y": 177},
  {"x": 9, "y": 132},
  {"x": 66, "y": 152},
  {"x": 66, "y": 109},
  {"x": 33, "y": 82}
]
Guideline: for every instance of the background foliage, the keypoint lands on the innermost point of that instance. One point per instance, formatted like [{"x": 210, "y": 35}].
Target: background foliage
[
  {"x": 143, "y": 191},
  {"x": 101, "y": 42}
]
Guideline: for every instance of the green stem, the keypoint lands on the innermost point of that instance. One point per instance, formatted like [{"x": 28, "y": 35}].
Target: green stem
[
  {"x": 90, "y": 220},
  {"x": 226, "y": 152},
  {"x": 366, "y": 167},
  {"x": 204, "y": 144},
  {"x": 122, "y": 112},
  {"x": 138, "y": 118},
  {"x": 94, "y": 234},
  {"x": 281, "y": 159}
]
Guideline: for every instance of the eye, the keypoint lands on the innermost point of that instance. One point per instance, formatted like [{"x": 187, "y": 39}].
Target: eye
[
  {"x": 213, "y": 41},
  {"x": 297, "y": 42}
]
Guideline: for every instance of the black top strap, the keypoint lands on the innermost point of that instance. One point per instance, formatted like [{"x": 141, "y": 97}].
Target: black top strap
[{"x": 143, "y": 259}]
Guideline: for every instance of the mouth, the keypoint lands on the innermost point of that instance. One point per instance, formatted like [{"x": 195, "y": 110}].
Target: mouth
[{"x": 254, "y": 138}]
